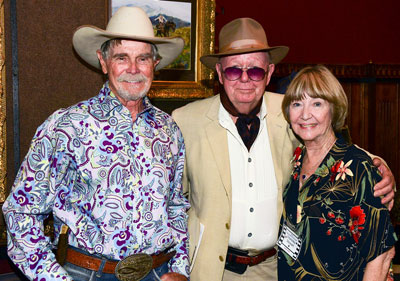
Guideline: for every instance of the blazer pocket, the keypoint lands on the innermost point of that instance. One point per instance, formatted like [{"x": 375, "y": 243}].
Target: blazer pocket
[{"x": 196, "y": 229}]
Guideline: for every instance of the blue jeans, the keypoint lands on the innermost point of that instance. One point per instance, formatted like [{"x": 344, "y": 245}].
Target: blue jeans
[{"x": 78, "y": 273}]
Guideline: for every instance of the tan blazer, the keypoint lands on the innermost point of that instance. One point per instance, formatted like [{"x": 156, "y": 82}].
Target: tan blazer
[{"x": 207, "y": 178}]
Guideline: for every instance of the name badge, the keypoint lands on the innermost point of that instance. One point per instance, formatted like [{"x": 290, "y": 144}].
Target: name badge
[{"x": 289, "y": 242}]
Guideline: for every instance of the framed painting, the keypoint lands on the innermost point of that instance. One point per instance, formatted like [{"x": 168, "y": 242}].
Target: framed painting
[{"x": 194, "y": 21}]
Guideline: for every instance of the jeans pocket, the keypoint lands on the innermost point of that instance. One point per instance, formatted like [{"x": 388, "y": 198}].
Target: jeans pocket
[
  {"x": 161, "y": 270},
  {"x": 156, "y": 273},
  {"x": 78, "y": 273},
  {"x": 156, "y": 276}
]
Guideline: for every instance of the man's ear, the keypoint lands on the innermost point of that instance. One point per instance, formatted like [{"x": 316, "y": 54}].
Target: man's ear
[
  {"x": 102, "y": 62},
  {"x": 271, "y": 68},
  {"x": 218, "y": 67},
  {"x": 156, "y": 62}
]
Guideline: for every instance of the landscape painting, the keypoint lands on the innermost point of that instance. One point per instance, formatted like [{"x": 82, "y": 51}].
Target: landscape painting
[{"x": 170, "y": 19}]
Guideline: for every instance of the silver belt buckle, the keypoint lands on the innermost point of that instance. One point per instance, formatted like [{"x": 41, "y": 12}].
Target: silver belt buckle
[{"x": 134, "y": 267}]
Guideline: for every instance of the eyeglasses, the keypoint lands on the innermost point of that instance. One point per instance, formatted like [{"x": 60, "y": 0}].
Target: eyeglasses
[{"x": 234, "y": 73}]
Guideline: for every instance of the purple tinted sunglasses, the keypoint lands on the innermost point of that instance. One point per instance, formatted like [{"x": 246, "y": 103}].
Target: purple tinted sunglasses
[{"x": 234, "y": 73}]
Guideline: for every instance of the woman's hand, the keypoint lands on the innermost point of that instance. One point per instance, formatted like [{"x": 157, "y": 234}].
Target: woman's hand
[{"x": 173, "y": 276}]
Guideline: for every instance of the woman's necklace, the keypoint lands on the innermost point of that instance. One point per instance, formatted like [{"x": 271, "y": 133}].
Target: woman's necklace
[{"x": 308, "y": 170}]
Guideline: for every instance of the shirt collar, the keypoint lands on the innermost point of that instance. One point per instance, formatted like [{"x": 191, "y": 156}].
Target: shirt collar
[
  {"x": 224, "y": 116},
  {"x": 263, "y": 110}
]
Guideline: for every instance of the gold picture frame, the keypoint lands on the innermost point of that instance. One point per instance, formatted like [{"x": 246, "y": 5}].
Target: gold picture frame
[
  {"x": 3, "y": 162},
  {"x": 204, "y": 31}
]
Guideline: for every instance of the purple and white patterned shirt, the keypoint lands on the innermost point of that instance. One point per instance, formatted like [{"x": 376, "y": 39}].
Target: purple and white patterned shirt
[{"x": 115, "y": 182}]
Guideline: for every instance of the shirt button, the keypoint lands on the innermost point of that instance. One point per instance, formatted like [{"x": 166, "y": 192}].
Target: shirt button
[
  {"x": 251, "y": 184},
  {"x": 227, "y": 225},
  {"x": 251, "y": 209},
  {"x": 221, "y": 258},
  {"x": 250, "y": 234},
  {"x": 249, "y": 159}
]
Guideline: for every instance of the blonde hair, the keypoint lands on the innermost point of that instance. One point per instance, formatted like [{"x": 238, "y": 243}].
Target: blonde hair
[{"x": 318, "y": 82}]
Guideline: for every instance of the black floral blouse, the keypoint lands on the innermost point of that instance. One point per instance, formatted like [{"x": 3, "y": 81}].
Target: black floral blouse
[{"x": 341, "y": 224}]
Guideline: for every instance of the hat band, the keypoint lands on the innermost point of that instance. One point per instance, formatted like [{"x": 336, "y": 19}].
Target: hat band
[{"x": 244, "y": 44}]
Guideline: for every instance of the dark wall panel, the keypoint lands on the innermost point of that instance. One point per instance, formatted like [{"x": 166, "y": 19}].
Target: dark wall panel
[
  {"x": 329, "y": 31},
  {"x": 51, "y": 75}
]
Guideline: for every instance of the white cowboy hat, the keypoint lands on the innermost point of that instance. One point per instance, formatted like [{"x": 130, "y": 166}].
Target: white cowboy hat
[
  {"x": 240, "y": 36},
  {"x": 126, "y": 23}
]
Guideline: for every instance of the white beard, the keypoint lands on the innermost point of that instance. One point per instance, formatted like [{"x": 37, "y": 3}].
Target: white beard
[{"x": 127, "y": 95}]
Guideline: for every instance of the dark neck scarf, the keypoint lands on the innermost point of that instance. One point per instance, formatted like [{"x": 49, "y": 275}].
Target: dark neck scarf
[{"x": 243, "y": 121}]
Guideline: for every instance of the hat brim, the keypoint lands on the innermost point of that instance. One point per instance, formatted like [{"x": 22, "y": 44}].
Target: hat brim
[
  {"x": 276, "y": 53},
  {"x": 88, "y": 39}
]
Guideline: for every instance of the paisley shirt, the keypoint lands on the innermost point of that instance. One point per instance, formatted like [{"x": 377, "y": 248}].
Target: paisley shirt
[
  {"x": 341, "y": 224},
  {"x": 115, "y": 182}
]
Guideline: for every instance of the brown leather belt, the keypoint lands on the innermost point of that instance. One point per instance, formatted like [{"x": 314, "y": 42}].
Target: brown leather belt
[
  {"x": 250, "y": 260},
  {"x": 93, "y": 263}
]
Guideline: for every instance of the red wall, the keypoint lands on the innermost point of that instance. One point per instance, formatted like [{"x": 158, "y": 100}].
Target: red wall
[{"x": 324, "y": 31}]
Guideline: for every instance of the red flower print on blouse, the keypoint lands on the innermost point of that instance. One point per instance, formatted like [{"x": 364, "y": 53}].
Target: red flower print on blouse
[
  {"x": 296, "y": 157},
  {"x": 297, "y": 153},
  {"x": 331, "y": 215},
  {"x": 341, "y": 238},
  {"x": 357, "y": 218},
  {"x": 335, "y": 169},
  {"x": 339, "y": 220}
]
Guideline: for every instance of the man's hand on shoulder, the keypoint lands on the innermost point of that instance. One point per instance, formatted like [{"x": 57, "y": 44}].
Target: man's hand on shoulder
[
  {"x": 386, "y": 186},
  {"x": 173, "y": 276}
]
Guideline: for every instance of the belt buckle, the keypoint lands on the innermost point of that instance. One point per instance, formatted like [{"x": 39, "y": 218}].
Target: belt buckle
[{"x": 134, "y": 267}]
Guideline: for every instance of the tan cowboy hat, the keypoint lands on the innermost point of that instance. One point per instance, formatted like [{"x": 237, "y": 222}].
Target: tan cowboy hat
[
  {"x": 126, "y": 23},
  {"x": 243, "y": 35}
]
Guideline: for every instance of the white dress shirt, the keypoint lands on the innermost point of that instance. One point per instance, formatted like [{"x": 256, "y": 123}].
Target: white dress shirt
[{"x": 254, "y": 224}]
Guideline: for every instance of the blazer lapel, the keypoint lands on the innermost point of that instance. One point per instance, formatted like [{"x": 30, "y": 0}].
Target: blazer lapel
[
  {"x": 218, "y": 142},
  {"x": 277, "y": 132}
]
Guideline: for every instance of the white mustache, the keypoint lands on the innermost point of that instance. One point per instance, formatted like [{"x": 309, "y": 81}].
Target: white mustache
[{"x": 132, "y": 78}]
